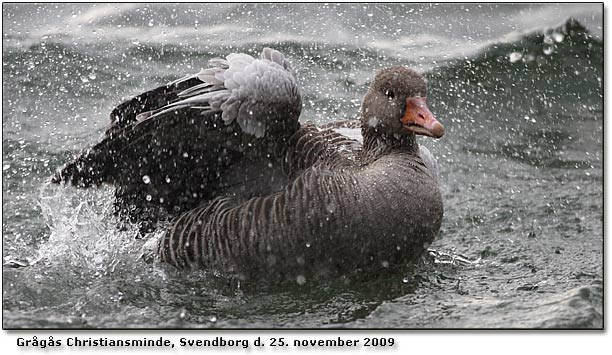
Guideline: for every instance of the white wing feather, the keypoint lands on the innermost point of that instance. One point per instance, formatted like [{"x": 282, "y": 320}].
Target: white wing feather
[{"x": 248, "y": 91}]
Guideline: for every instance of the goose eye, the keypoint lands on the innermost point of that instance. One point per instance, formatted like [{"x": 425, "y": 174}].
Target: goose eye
[{"x": 390, "y": 94}]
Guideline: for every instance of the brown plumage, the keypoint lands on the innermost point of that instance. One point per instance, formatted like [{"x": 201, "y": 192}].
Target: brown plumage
[{"x": 271, "y": 197}]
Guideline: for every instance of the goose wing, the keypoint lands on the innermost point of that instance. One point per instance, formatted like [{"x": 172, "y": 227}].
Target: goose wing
[{"x": 168, "y": 146}]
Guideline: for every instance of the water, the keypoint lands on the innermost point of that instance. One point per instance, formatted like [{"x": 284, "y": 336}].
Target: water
[{"x": 521, "y": 167}]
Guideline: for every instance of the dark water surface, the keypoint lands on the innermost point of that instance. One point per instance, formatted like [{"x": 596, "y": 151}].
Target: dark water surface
[{"x": 518, "y": 88}]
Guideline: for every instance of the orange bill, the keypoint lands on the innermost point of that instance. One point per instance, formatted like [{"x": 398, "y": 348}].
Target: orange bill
[{"x": 419, "y": 120}]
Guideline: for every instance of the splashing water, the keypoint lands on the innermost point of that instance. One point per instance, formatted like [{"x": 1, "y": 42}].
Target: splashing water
[{"x": 84, "y": 232}]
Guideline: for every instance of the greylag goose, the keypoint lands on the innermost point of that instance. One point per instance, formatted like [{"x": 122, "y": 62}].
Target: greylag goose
[{"x": 254, "y": 191}]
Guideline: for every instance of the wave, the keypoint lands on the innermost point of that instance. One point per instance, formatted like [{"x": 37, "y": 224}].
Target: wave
[
  {"x": 548, "y": 67},
  {"x": 527, "y": 99}
]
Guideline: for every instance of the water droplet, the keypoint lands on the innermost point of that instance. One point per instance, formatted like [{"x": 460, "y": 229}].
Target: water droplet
[
  {"x": 405, "y": 280},
  {"x": 146, "y": 179},
  {"x": 168, "y": 179},
  {"x": 548, "y": 39},
  {"x": 515, "y": 57},
  {"x": 149, "y": 197},
  {"x": 385, "y": 264},
  {"x": 213, "y": 319},
  {"x": 548, "y": 50},
  {"x": 558, "y": 37},
  {"x": 300, "y": 279},
  {"x": 307, "y": 245},
  {"x": 183, "y": 313}
]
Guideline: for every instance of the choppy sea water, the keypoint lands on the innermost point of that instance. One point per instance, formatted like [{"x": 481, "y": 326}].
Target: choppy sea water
[{"x": 519, "y": 89}]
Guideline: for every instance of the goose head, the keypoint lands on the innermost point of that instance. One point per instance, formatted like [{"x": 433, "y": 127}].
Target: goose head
[{"x": 395, "y": 108}]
